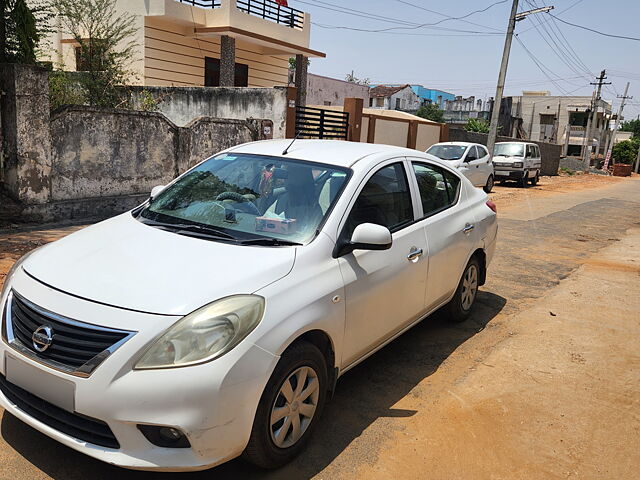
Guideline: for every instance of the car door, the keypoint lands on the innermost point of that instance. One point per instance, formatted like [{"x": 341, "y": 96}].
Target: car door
[
  {"x": 384, "y": 289},
  {"x": 485, "y": 168},
  {"x": 449, "y": 226},
  {"x": 472, "y": 163}
]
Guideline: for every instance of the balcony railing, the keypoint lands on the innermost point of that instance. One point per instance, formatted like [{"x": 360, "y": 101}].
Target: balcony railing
[
  {"x": 267, "y": 9},
  {"x": 270, "y": 10},
  {"x": 203, "y": 3}
]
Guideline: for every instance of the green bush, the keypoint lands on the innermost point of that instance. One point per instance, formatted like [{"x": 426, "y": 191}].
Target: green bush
[
  {"x": 431, "y": 112},
  {"x": 477, "y": 125},
  {"x": 626, "y": 151}
]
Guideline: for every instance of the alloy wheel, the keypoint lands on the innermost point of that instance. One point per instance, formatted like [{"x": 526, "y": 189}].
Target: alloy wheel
[
  {"x": 294, "y": 407},
  {"x": 469, "y": 287}
]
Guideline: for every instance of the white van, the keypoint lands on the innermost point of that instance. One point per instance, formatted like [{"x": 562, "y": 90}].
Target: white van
[
  {"x": 518, "y": 161},
  {"x": 471, "y": 159}
]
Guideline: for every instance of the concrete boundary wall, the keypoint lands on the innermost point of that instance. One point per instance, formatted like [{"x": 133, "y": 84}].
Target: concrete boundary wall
[
  {"x": 549, "y": 152},
  {"x": 82, "y": 162}
]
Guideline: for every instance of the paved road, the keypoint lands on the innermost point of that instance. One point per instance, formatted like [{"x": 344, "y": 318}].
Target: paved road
[{"x": 542, "y": 382}]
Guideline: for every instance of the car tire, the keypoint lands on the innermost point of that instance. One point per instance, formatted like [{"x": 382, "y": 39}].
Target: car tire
[
  {"x": 459, "y": 308},
  {"x": 268, "y": 447},
  {"x": 489, "y": 185},
  {"x": 534, "y": 180},
  {"x": 524, "y": 180}
]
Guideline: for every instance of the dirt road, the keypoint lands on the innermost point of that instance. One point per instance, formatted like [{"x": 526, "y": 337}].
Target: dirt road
[{"x": 542, "y": 382}]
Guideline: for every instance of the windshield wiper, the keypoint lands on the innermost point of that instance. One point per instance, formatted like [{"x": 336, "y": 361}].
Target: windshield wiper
[
  {"x": 270, "y": 242},
  {"x": 191, "y": 228}
]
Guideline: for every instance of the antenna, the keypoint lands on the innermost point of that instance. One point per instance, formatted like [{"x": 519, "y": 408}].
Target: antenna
[{"x": 286, "y": 150}]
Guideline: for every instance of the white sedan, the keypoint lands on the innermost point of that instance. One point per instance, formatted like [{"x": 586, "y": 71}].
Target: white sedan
[
  {"x": 213, "y": 320},
  {"x": 472, "y": 159}
]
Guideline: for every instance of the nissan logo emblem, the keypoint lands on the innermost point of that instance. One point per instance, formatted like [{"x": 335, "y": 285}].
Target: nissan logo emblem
[{"x": 42, "y": 338}]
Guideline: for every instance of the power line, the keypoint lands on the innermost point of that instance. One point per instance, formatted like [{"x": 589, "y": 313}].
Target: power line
[
  {"x": 595, "y": 31},
  {"x": 448, "y": 16},
  {"x": 411, "y": 27},
  {"x": 541, "y": 66}
]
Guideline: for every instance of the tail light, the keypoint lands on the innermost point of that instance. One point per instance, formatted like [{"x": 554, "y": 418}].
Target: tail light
[{"x": 492, "y": 206}]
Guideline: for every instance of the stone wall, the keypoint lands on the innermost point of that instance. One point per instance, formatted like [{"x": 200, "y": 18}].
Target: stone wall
[
  {"x": 83, "y": 162},
  {"x": 182, "y": 105},
  {"x": 549, "y": 152}
]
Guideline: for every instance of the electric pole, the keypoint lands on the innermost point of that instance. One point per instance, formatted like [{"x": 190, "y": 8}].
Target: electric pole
[
  {"x": 615, "y": 128},
  {"x": 497, "y": 100},
  {"x": 600, "y": 81}
]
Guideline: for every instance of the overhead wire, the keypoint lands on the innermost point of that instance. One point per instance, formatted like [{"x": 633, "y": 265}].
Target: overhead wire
[{"x": 625, "y": 37}]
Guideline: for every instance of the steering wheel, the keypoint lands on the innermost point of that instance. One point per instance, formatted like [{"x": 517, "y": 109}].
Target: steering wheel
[{"x": 246, "y": 205}]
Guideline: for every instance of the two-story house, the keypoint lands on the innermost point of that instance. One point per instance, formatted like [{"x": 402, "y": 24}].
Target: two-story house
[{"x": 208, "y": 42}]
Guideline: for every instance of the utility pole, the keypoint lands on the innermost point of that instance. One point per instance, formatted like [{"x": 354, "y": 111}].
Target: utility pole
[
  {"x": 600, "y": 81},
  {"x": 497, "y": 100},
  {"x": 615, "y": 128}
]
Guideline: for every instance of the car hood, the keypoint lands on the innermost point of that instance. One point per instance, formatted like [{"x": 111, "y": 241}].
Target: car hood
[
  {"x": 128, "y": 264},
  {"x": 506, "y": 158}
]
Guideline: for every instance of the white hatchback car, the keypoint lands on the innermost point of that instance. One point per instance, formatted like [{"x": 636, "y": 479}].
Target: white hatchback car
[
  {"x": 213, "y": 320},
  {"x": 472, "y": 159}
]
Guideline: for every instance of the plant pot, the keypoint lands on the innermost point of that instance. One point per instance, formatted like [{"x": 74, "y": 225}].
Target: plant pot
[{"x": 621, "y": 170}]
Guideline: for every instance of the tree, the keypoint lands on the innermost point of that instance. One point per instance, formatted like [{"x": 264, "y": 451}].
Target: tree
[
  {"x": 631, "y": 126},
  {"x": 351, "y": 78},
  {"x": 431, "y": 112},
  {"x": 21, "y": 28},
  {"x": 105, "y": 48},
  {"x": 626, "y": 151},
  {"x": 477, "y": 125}
]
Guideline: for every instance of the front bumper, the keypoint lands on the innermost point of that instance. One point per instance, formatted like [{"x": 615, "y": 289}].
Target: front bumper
[
  {"x": 214, "y": 404},
  {"x": 509, "y": 174}
]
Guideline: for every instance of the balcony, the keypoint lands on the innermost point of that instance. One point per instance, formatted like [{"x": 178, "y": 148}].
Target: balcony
[{"x": 277, "y": 30}]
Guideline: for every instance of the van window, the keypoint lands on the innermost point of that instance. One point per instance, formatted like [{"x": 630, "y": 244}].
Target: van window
[
  {"x": 537, "y": 151},
  {"x": 529, "y": 151}
]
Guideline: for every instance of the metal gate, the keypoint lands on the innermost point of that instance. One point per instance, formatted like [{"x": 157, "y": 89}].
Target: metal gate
[{"x": 320, "y": 123}]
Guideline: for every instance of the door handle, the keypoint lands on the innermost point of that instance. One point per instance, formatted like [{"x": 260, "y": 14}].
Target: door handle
[
  {"x": 468, "y": 227},
  {"x": 414, "y": 254}
]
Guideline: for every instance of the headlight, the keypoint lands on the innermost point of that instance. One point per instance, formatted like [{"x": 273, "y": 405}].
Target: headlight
[
  {"x": 517, "y": 164},
  {"x": 205, "y": 334},
  {"x": 14, "y": 269}
]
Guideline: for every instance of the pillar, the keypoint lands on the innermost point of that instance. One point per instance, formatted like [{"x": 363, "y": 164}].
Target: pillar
[
  {"x": 24, "y": 107},
  {"x": 353, "y": 106},
  {"x": 228, "y": 61},
  {"x": 301, "y": 79}
]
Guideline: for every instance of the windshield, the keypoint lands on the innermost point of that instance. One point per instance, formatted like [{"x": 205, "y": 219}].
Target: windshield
[
  {"x": 448, "y": 152},
  {"x": 249, "y": 198},
  {"x": 509, "y": 149}
]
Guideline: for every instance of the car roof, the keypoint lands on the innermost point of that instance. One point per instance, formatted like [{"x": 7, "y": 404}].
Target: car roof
[
  {"x": 333, "y": 152},
  {"x": 461, "y": 144},
  {"x": 516, "y": 141}
]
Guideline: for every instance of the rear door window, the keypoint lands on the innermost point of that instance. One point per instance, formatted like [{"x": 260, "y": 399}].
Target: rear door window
[{"x": 438, "y": 188}]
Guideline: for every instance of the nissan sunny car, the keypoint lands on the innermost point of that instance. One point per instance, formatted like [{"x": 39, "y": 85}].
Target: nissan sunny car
[{"x": 214, "y": 320}]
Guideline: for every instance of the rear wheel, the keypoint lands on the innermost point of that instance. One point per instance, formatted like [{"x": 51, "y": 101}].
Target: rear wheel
[
  {"x": 524, "y": 180},
  {"x": 289, "y": 408},
  {"x": 534, "y": 180},
  {"x": 460, "y": 305},
  {"x": 489, "y": 185}
]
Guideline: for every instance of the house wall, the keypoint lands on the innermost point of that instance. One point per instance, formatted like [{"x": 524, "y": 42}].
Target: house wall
[
  {"x": 174, "y": 57},
  {"x": 408, "y": 100},
  {"x": 332, "y": 91}
]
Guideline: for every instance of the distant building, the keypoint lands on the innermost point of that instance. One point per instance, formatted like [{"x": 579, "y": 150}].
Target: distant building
[
  {"x": 556, "y": 119},
  {"x": 437, "y": 97},
  {"x": 397, "y": 97},
  {"x": 332, "y": 91},
  {"x": 459, "y": 109}
]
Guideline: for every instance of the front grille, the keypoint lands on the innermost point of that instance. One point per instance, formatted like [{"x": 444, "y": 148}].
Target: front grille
[
  {"x": 75, "y": 347},
  {"x": 75, "y": 425}
]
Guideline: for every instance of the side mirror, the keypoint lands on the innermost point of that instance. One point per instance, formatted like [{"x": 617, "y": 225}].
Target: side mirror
[
  {"x": 155, "y": 191},
  {"x": 366, "y": 236}
]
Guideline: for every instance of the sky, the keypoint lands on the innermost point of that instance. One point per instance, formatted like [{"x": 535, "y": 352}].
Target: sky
[{"x": 463, "y": 56}]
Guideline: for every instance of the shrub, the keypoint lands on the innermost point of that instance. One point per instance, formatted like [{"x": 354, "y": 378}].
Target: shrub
[
  {"x": 626, "y": 151},
  {"x": 477, "y": 125}
]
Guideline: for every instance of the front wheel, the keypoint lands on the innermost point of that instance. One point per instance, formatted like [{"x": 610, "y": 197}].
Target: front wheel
[
  {"x": 524, "y": 180},
  {"x": 534, "y": 180},
  {"x": 460, "y": 305},
  {"x": 289, "y": 408},
  {"x": 489, "y": 185}
]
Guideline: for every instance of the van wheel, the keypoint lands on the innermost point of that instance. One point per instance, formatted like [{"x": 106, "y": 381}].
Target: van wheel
[
  {"x": 289, "y": 408},
  {"x": 460, "y": 305},
  {"x": 524, "y": 180},
  {"x": 534, "y": 180},
  {"x": 489, "y": 185}
]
